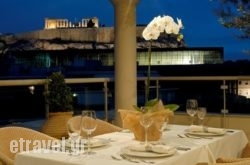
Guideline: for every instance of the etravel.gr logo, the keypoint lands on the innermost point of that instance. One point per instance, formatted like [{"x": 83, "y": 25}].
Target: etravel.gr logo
[{"x": 47, "y": 146}]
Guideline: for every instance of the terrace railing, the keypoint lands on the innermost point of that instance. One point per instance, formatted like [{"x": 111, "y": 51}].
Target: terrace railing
[{"x": 224, "y": 84}]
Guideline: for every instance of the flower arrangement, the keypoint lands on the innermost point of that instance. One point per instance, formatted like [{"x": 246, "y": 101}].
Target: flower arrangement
[
  {"x": 154, "y": 108},
  {"x": 158, "y": 25}
]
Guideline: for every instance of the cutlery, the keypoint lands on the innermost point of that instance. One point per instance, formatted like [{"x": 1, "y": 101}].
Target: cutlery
[
  {"x": 147, "y": 161},
  {"x": 183, "y": 148},
  {"x": 125, "y": 157},
  {"x": 115, "y": 157},
  {"x": 231, "y": 131},
  {"x": 180, "y": 136},
  {"x": 188, "y": 136},
  {"x": 178, "y": 148},
  {"x": 193, "y": 137},
  {"x": 197, "y": 137}
]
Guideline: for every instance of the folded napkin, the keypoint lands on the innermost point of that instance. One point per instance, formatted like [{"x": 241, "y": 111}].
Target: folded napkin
[
  {"x": 161, "y": 149},
  {"x": 197, "y": 128}
]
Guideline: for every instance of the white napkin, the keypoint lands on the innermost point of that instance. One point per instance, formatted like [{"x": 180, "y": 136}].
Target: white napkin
[
  {"x": 162, "y": 149},
  {"x": 197, "y": 128}
]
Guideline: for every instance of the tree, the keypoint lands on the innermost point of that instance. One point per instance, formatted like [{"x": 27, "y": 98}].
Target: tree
[{"x": 235, "y": 14}]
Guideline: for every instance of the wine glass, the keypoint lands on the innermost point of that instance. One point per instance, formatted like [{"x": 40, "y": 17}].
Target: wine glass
[
  {"x": 74, "y": 130},
  {"x": 191, "y": 108},
  {"x": 201, "y": 113},
  {"x": 89, "y": 125},
  {"x": 146, "y": 121},
  {"x": 161, "y": 123}
]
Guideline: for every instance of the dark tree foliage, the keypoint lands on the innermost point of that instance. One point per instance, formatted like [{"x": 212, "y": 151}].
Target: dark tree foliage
[{"x": 235, "y": 14}]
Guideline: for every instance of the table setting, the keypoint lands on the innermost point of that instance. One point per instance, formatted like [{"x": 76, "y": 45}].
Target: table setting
[
  {"x": 200, "y": 130},
  {"x": 122, "y": 148},
  {"x": 192, "y": 143},
  {"x": 93, "y": 143},
  {"x": 149, "y": 151}
]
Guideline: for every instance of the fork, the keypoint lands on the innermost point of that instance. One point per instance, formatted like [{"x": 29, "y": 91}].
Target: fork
[
  {"x": 193, "y": 137},
  {"x": 147, "y": 161},
  {"x": 125, "y": 157},
  {"x": 197, "y": 137},
  {"x": 180, "y": 136},
  {"x": 115, "y": 157}
]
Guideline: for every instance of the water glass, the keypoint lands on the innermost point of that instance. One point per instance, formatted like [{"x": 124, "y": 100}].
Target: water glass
[
  {"x": 191, "y": 108},
  {"x": 74, "y": 136},
  {"x": 201, "y": 113},
  {"x": 146, "y": 121},
  {"x": 89, "y": 125}
]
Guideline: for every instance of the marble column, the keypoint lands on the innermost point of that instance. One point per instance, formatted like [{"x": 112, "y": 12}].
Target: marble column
[{"x": 125, "y": 55}]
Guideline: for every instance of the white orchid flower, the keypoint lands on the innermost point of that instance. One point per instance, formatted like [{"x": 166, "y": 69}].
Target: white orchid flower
[
  {"x": 161, "y": 24},
  {"x": 179, "y": 22},
  {"x": 152, "y": 32}
]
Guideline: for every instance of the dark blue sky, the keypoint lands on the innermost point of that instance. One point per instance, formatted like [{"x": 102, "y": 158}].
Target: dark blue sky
[{"x": 201, "y": 26}]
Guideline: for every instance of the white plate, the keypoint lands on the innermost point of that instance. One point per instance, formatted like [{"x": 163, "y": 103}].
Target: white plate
[
  {"x": 128, "y": 151},
  {"x": 206, "y": 133},
  {"x": 94, "y": 142}
]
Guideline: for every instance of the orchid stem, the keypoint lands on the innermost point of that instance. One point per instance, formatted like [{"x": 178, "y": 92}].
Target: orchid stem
[{"x": 149, "y": 69}]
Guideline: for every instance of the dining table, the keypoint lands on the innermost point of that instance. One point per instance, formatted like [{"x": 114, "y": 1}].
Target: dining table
[{"x": 113, "y": 149}]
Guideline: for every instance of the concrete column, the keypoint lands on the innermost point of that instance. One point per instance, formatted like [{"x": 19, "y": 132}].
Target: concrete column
[{"x": 125, "y": 55}]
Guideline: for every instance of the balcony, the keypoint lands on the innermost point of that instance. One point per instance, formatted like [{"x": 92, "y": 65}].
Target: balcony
[{"x": 226, "y": 98}]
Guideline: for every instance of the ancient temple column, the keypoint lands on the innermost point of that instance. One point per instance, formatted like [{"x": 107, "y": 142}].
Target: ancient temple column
[{"x": 125, "y": 55}]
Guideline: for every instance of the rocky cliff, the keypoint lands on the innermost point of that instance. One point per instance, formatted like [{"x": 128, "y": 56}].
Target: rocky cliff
[{"x": 78, "y": 38}]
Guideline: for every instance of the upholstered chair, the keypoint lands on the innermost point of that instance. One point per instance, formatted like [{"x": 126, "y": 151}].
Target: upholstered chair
[
  {"x": 102, "y": 126},
  {"x": 9, "y": 134},
  {"x": 240, "y": 162},
  {"x": 243, "y": 160}
]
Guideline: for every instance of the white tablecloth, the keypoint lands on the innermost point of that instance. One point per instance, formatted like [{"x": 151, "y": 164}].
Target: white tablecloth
[{"x": 201, "y": 150}]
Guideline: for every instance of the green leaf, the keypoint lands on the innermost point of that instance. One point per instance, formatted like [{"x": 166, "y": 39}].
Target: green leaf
[
  {"x": 171, "y": 107},
  {"x": 137, "y": 108},
  {"x": 151, "y": 103}
]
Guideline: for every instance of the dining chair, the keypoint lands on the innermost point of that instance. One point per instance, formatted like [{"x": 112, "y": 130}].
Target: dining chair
[
  {"x": 102, "y": 126},
  {"x": 240, "y": 162},
  {"x": 246, "y": 151},
  {"x": 245, "y": 156},
  {"x": 244, "y": 159},
  {"x": 231, "y": 160},
  {"x": 13, "y": 135}
]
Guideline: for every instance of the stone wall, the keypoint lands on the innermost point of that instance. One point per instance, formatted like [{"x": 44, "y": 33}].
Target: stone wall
[
  {"x": 103, "y": 34},
  {"x": 78, "y": 38}
]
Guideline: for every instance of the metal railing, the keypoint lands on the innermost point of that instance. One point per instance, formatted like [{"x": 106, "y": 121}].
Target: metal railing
[{"x": 106, "y": 81}]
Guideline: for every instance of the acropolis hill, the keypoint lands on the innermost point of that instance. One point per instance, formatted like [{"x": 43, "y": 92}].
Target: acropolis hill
[{"x": 76, "y": 38}]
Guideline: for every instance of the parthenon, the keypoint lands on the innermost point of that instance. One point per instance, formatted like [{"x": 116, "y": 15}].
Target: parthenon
[{"x": 55, "y": 23}]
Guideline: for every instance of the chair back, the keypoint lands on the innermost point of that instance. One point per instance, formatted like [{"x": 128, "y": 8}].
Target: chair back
[
  {"x": 14, "y": 139},
  {"x": 102, "y": 126}
]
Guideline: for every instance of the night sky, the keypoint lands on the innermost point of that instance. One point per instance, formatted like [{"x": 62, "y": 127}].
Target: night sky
[{"x": 201, "y": 26}]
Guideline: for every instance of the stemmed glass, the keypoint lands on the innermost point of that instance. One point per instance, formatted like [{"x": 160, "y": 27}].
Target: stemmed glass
[
  {"x": 74, "y": 135},
  {"x": 89, "y": 125},
  {"x": 201, "y": 113},
  {"x": 191, "y": 108},
  {"x": 162, "y": 124},
  {"x": 146, "y": 121}
]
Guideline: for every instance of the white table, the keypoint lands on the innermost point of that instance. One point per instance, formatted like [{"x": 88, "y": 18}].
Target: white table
[{"x": 202, "y": 150}]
